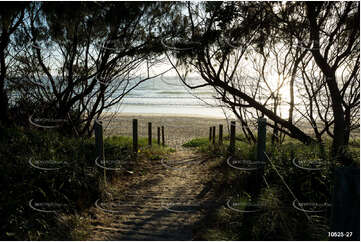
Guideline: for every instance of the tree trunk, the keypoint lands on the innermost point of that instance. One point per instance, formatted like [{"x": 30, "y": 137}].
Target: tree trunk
[
  {"x": 4, "y": 102},
  {"x": 338, "y": 142},
  {"x": 340, "y": 128}
]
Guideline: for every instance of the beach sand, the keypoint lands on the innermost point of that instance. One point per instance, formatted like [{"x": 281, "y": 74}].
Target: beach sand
[{"x": 178, "y": 129}]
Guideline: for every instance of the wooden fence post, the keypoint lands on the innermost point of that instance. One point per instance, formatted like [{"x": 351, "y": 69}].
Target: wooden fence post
[
  {"x": 150, "y": 134},
  {"x": 232, "y": 141},
  {"x": 210, "y": 134},
  {"x": 261, "y": 140},
  {"x": 99, "y": 144},
  {"x": 261, "y": 156},
  {"x": 214, "y": 134},
  {"x": 135, "y": 136},
  {"x": 220, "y": 134},
  {"x": 163, "y": 143},
  {"x": 158, "y": 135}
]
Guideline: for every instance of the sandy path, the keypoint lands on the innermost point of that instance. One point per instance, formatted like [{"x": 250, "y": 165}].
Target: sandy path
[{"x": 161, "y": 205}]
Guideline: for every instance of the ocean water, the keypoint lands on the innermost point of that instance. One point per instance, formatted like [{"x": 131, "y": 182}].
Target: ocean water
[
  {"x": 168, "y": 95},
  {"x": 164, "y": 95}
]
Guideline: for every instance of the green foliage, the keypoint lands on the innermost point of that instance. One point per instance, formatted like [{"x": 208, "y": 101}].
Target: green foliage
[
  {"x": 155, "y": 152},
  {"x": 76, "y": 185},
  {"x": 242, "y": 149},
  {"x": 355, "y": 142},
  {"x": 277, "y": 219},
  {"x": 196, "y": 142}
]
